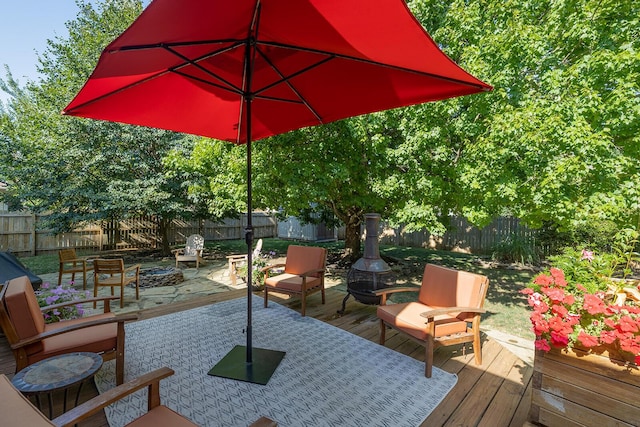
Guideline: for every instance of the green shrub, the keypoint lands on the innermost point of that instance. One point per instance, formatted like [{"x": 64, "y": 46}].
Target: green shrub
[{"x": 516, "y": 249}]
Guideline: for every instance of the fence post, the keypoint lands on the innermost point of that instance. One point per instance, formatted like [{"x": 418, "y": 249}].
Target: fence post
[{"x": 34, "y": 243}]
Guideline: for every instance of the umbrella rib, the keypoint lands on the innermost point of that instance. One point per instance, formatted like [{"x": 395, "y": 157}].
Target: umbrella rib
[
  {"x": 194, "y": 62},
  {"x": 376, "y": 63},
  {"x": 285, "y": 79},
  {"x": 162, "y": 45}
]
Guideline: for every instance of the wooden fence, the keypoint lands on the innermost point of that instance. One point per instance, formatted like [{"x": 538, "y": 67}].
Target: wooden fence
[
  {"x": 463, "y": 237},
  {"x": 20, "y": 234}
]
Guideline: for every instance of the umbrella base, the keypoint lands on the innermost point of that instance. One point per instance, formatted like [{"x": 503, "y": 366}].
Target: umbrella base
[{"x": 235, "y": 366}]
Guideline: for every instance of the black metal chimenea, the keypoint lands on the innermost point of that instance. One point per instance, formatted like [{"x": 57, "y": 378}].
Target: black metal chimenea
[{"x": 370, "y": 272}]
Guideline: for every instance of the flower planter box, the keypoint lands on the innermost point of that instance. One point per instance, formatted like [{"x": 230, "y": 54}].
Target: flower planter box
[{"x": 576, "y": 388}]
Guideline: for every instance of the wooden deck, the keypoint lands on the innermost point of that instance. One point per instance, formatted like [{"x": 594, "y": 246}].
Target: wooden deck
[{"x": 498, "y": 393}]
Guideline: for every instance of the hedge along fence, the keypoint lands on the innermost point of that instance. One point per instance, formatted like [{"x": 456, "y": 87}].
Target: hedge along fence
[{"x": 21, "y": 235}]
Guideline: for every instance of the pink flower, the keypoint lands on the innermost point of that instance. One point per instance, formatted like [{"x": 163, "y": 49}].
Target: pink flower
[{"x": 588, "y": 255}]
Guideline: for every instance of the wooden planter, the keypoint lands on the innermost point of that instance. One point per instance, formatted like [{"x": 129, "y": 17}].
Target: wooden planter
[{"x": 572, "y": 389}]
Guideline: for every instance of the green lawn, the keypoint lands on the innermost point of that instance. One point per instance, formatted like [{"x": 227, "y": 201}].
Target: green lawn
[{"x": 507, "y": 308}]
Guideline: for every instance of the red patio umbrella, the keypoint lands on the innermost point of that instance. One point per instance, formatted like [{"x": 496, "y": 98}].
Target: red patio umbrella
[{"x": 243, "y": 70}]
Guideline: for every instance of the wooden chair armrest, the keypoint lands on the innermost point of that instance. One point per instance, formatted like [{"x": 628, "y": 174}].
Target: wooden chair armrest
[
  {"x": 270, "y": 267},
  {"x": 132, "y": 268},
  {"x": 79, "y": 301},
  {"x": 82, "y": 260},
  {"x": 84, "y": 411},
  {"x": 312, "y": 272},
  {"x": 439, "y": 311},
  {"x": 70, "y": 328},
  {"x": 383, "y": 293},
  {"x": 393, "y": 290},
  {"x": 237, "y": 257},
  {"x": 177, "y": 251}
]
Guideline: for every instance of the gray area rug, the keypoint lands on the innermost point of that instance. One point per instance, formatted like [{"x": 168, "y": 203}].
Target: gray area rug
[{"x": 328, "y": 377}]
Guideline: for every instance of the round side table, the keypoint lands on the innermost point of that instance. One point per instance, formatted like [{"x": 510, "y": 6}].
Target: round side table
[{"x": 57, "y": 373}]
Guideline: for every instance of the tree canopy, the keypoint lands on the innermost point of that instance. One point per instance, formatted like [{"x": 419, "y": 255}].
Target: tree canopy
[{"x": 556, "y": 142}]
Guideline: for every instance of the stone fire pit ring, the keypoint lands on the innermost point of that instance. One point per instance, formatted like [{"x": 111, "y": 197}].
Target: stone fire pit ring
[{"x": 160, "y": 276}]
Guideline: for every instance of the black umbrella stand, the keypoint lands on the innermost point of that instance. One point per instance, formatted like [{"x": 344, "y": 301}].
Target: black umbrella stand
[{"x": 245, "y": 363}]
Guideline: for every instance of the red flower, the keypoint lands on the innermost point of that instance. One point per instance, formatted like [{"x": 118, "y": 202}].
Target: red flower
[
  {"x": 543, "y": 345},
  {"x": 608, "y": 337},
  {"x": 568, "y": 299},
  {"x": 558, "y": 339},
  {"x": 543, "y": 280},
  {"x": 554, "y": 294},
  {"x": 627, "y": 324},
  {"x": 560, "y": 310},
  {"x": 593, "y": 304},
  {"x": 587, "y": 340},
  {"x": 631, "y": 344},
  {"x": 558, "y": 276}
]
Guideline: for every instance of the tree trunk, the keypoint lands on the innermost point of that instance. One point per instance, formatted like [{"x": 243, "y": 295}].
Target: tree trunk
[
  {"x": 163, "y": 225},
  {"x": 352, "y": 240}
]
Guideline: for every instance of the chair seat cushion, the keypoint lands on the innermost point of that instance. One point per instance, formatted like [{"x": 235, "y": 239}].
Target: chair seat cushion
[
  {"x": 406, "y": 316},
  {"x": 291, "y": 282},
  {"x": 95, "y": 339},
  {"x": 161, "y": 416}
]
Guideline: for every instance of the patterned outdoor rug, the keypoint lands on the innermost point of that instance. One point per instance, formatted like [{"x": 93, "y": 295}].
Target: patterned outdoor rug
[{"x": 328, "y": 377}]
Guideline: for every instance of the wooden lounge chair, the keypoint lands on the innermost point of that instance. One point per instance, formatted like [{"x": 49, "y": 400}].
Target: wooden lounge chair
[
  {"x": 71, "y": 264},
  {"x": 32, "y": 340},
  {"x": 303, "y": 274},
  {"x": 192, "y": 251},
  {"x": 447, "y": 311},
  {"x": 112, "y": 273}
]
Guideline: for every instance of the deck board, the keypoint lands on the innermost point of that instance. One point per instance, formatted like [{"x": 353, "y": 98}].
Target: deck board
[{"x": 497, "y": 393}]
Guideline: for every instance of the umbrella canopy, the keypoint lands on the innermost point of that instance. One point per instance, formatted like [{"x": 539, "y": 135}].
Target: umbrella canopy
[
  {"x": 243, "y": 70},
  {"x": 192, "y": 65}
]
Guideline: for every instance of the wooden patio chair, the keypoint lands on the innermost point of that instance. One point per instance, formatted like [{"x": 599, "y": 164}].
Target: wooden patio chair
[
  {"x": 192, "y": 251},
  {"x": 32, "y": 340},
  {"x": 71, "y": 264},
  {"x": 303, "y": 274},
  {"x": 112, "y": 273},
  {"x": 447, "y": 312},
  {"x": 237, "y": 260},
  {"x": 18, "y": 411}
]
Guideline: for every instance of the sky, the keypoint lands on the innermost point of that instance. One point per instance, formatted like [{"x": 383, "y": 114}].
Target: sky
[{"x": 25, "y": 26}]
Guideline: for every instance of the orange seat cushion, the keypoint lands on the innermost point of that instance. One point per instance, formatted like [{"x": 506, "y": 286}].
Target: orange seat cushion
[
  {"x": 95, "y": 339},
  {"x": 406, "y": 316},
  {"x": 161, "y": 416},
  {"x": 291, "y": 282}
]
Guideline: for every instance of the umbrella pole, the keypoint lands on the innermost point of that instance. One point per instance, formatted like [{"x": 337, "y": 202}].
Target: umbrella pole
[{"x": 259, "y": 363}]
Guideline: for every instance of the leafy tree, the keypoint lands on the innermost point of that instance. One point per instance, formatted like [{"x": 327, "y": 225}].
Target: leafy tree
[
  {"x": 557, "y": 140},
  {"x": 82, "y": 170}
]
